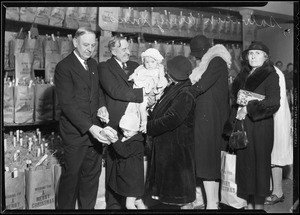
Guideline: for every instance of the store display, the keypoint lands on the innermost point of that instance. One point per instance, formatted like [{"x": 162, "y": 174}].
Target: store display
[{"x": 29, "y": 95}]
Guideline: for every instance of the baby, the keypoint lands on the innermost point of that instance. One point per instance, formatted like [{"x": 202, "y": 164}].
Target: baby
[
  {"x": 127, "y": 177},
  {"x": 150, "y": 76}
]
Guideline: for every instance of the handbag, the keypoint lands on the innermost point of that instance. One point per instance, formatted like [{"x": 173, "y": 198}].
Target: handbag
[{"x": 238, "y": 138}]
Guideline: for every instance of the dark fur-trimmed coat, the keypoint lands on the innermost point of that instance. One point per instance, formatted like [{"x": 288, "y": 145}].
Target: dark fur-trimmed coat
[
  {"x": 253, "y": 164},
  {"x": 172, "y": 166}
]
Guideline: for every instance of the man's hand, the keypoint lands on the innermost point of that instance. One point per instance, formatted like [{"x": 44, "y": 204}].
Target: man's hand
[
  {"x": 111, "y": 134},
  {"x": 96, "y": 132},
  {"x": 103, "y": 114},
  {"x": 143, "y": 127}
]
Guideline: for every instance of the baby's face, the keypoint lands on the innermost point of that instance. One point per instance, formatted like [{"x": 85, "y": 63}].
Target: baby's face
[
  {"x": 128, "y": 133},
  {"x": 150, "y": 63}
]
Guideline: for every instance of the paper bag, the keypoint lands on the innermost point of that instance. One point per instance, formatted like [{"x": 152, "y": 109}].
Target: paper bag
[
  {"x": 51, "y": 60},
  {"x": 44, "y": 102},
  {"x": 108, "y": 18},
  {"x": 228, "y": 185},
  {"x": 8, "y": 103},
  {"x": 57, "y": 16},
  {"x": 39, "y": 188},
  {"x": 27, "y": 14},
  {"x": 24, "y": 103},
  {"x": 104, "y": 53},
  {"x": 71, "y": 18},
  {"x": 42, "y": 15},
  {"x": 14, "y": 191},
  {"x": 12, "y": 13},
  {"x": 23, "y": 66},
  {"x": 83, "y": 17}
]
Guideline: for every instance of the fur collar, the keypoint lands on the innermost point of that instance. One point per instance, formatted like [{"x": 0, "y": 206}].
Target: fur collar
[
  {"x": 251, "y": 82},
  {"x": 215, "y": 51}
]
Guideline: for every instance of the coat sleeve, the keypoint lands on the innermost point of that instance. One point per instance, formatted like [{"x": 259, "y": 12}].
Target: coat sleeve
[
  {"x": 125, "y": 149},
  {"x": 174, "y": 116},
  {"x": 65, "y": 90},
  {"x": 116, "y": 89},
  {"x": 258, "y": 110},
  {"x": 210, "y": 76}
]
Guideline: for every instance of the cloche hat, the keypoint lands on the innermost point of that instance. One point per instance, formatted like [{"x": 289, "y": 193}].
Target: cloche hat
[
  {"x": 179, "y": 68},
  {"x": 255, "y": 45},
  {"x": 199, "y": 46}
]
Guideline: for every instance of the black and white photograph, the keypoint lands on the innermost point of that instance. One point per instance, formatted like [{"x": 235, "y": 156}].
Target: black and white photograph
[{"x": 172, "y": 107}]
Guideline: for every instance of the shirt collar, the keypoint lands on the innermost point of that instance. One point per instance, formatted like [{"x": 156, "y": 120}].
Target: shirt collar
[
  {"x": 119, "y": 62},
  {"x": 79, "y": 58}
]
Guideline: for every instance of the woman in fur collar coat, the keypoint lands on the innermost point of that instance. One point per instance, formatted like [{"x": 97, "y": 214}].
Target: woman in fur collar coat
[
  {"x": 210, "y": 86},
  {"x": 171, "y": 177},
  {"x": 253, "y": 163}
]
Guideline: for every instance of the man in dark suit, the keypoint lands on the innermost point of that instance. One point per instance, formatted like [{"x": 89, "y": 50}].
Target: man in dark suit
[
  {"x": 119, "y": 92},
  {"x": 80, "y": 97}
]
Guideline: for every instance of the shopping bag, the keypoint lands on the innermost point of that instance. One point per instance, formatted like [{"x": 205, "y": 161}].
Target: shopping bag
[
  {"x": 24, "y": 103},
  {"x": 100, "y": 202},
  {"x": 34, "y": 47},
  {"x": 8, "y": 103},
  {"x": 12, "y": 13},
  {"x": 71, "y": 18},
  {"x": 57, "y": 16},
  {"x": 108, "y": 18},
  {"x": 14, "y": 190},
  {"x": 228, "y": 185},
  {"x": 83, "y": 17},
  {"x": 27, "y": 14},
  {"x": 39, "y": 188},
  {"x": 23, "y": 66},
  {"x": 44, "y": 102},
  {"x": 56, "y": 170},
  {"x": 104, "y": 53},
  {"x": 42, "y": 15},
  {"x": 51, "y": 60}
]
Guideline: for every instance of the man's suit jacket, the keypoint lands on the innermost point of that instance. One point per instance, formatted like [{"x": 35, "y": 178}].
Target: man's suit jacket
[
  {"x": 119, "y": 91},
  {"x": 80, "y": 97}
]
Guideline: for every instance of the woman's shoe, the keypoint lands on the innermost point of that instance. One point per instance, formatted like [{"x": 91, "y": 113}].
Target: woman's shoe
[
  {"x": 273, "y": 199},
  {"x": 188, "y": 206}
]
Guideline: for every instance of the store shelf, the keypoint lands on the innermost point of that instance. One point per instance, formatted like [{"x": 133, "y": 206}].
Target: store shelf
[
  {"x": 30, "y": 124},
  {"x": 15, "y": 26}
]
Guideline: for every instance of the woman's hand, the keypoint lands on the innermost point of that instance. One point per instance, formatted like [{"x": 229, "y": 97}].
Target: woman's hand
[{"x": 241, "y": 113}]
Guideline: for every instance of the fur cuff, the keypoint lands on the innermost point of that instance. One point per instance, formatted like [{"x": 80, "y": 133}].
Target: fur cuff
[{"x": 257, "y": 110}]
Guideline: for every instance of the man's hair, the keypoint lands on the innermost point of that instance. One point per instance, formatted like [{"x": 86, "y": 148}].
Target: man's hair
[
  {"x": 115, "y": 42},
  {"x": 277, "y": 62},
  {"x": 83, "y": 30}
]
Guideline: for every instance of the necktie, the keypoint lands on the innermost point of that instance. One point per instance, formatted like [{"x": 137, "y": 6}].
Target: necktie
[
  {"x": 124, "y": 67},
  {"x": 86, "y": 66}
]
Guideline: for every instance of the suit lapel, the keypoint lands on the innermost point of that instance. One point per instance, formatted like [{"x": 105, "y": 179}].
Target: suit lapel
[
  {"x": 80, "y": 70},
  {"x": 118, "y": 70}
]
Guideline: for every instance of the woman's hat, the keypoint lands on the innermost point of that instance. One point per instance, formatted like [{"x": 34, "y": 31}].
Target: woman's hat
[
  {"x": 130, "y": 121},
  {"x": 199, "y": 46},
  {"x": 255, "y": 45},
  {"x": 154, "y": 53},
  {"x": 179, "y": 68}
]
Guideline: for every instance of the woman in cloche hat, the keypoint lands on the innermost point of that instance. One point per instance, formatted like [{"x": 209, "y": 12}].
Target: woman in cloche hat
[{"x": 253, "y": 163}]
